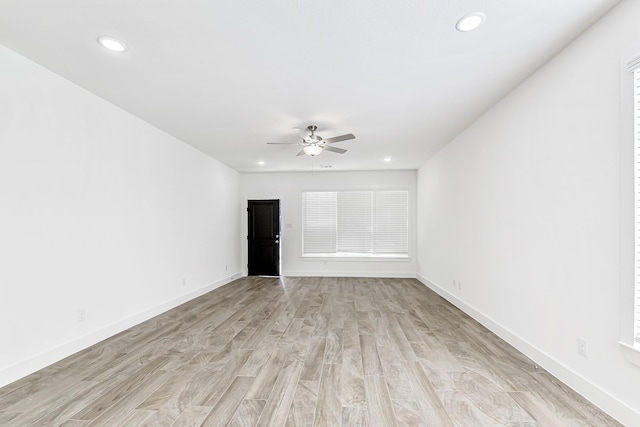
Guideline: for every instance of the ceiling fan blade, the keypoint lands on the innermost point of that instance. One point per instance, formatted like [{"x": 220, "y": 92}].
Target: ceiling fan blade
[
  {"x": 335, "y": 149},
  {"x": 300, "y": 153},
  {"x": 339, "y": 138},
  {"x": 286, "y": 143}
]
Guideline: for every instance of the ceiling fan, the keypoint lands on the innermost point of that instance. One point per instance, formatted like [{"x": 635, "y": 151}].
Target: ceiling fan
[{"x": 313, "y": 144}]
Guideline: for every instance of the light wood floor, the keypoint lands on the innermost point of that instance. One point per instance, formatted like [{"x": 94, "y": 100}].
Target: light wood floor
[{"x": 301, "y": 352}]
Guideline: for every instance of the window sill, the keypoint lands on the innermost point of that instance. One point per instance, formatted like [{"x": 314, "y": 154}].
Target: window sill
[
  {"x": 631, "y": 353},
  {"x": 344, "y": 257}
]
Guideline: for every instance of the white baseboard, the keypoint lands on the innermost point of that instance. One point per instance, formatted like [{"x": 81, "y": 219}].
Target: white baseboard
[
  {"x": 325, "y": 273},
  {"x": 53, "y": 355},
  {"x": 599, "y": 397}
]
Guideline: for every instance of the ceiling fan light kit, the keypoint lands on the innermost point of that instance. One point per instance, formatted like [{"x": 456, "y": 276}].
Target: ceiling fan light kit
[
  {"x": 312, "y": 150},
  {"x": 313, "y": 144}
]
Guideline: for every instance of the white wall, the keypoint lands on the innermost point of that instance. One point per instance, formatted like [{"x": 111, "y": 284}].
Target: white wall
[
  {"x": 99, "y": 212},
  {"x": 288, "y": 187},
  {"x": 523, "y": 208}
]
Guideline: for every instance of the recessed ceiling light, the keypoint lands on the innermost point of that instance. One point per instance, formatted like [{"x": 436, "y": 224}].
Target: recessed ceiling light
[
  {"x": 471, "y": 21},
  {"x": 112, "y": 44},
  {"x": 387, "y": 159},
  {"x": 261, "y": 162}
]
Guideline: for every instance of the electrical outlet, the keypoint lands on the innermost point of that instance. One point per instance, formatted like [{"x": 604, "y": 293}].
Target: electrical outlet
[
  {"x": 582, "y": 347},
  {"x": 81, "y": 316},
  {"x": 184, "y": 281},
  {"x": 226, "y": 268}
]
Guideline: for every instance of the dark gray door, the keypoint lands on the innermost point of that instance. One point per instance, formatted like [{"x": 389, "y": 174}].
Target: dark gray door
[{"x": 264, "y": 237}]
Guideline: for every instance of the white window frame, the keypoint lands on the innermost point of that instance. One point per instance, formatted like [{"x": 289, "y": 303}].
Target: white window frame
[
  {"x": 636, "y": 208},
  {"x": 371, "y": 255}
]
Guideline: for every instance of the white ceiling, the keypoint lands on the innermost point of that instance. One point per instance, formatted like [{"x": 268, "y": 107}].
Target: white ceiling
[{"x": 229, "y": 76}]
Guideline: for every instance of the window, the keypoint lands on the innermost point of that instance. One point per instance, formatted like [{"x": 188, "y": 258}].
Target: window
[
  {"x": 630, "y": 207},
  {"x": 636, "y": 207},
  {"x": 355, "y": 223}
]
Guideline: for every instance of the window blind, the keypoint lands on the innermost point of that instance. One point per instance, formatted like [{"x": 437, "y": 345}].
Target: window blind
[
  {"x": 355, "y": 223},
  {"x": 636, "y": 185},
  {"x": 392, "y": 222},
  {"x": 319, "y": 222}
]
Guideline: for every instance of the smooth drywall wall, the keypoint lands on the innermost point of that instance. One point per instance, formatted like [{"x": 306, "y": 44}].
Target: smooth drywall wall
[
  {"x": 105, "y": 220},
  {"x": 288, "y": 187},
  {"x": 519, "y": 216}
]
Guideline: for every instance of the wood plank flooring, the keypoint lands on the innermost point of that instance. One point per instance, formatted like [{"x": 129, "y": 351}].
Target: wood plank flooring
[{"x": 300, "y": 352}]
